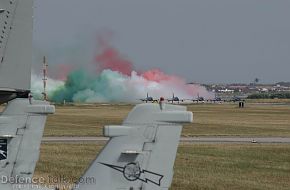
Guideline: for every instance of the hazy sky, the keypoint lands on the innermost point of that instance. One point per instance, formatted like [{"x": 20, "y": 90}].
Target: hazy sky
[{"x": 201, "y": 40}]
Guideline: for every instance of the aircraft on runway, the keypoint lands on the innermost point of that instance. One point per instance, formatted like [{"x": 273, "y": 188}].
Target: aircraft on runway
[
  {"x": 238, "y": 98},
  {"x": 149, "y": 99},
  {"x": 198, "y": 99},
  {"x": 134, "y": 158},
  {"x": 216, "y": 99},
  {"x": 175, "y": 99},
  {"x": 235, "y": 99}
]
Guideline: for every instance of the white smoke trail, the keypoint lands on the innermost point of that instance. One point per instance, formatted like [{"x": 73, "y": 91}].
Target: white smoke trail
[
  {"x": 113, "y": 86},
  {"x": 37, "y": 86}
]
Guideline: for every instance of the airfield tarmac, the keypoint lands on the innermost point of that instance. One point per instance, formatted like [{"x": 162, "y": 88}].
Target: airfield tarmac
[{"x": 187, "y": 140}]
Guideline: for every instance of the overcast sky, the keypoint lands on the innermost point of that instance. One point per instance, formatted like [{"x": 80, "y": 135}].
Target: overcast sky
[{"x": 201, "y": 40}]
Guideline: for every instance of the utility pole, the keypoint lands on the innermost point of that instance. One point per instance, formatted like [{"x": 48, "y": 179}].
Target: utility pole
[{"x": 44, "y": 79}]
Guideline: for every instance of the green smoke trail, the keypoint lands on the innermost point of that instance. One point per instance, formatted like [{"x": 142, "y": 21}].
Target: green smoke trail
[{"x": 81, "y": 86}]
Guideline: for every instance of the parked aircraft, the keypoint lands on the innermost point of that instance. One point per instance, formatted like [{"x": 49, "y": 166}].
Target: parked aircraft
[
  {"x": 175, "y": 99},
  {"x": 216, "y": 99},
  {"x": 238, "y": 98},
  {"x": 198, "y": 99},
  {"x": 148, "y": 99}
]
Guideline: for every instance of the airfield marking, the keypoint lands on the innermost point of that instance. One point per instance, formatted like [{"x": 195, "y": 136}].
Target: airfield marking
[{"x": 189, "y": 140}]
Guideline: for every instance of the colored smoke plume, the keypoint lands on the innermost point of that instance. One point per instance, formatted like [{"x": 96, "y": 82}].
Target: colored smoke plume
[
  {"x": 111, "y": 59},
  {"x": 157, "y": 75},
  {"x": 111, "y": 78},
  {"x": 64, "y": 70}
]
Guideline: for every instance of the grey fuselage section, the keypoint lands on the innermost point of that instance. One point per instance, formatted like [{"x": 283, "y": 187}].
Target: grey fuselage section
[{"x": 16, "y": 29}]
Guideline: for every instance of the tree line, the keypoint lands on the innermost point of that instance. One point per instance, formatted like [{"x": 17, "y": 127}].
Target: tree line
[{"x": 274, "y": 95}]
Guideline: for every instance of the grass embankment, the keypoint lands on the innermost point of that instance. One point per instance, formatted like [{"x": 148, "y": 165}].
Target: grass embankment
[
  {"x": 200, "y": 166},
  {"x": 209, "y": 120}
]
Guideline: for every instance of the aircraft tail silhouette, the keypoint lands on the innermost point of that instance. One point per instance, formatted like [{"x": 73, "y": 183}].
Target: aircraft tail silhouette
[
  {"x": 22, "y": 121},
  {"x": 141, "y": 152},
  {"x": 21, "y": 129}
]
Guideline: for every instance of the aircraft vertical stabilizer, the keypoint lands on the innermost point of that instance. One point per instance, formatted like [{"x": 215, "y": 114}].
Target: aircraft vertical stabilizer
[
  {"x": 141, "y": 152},
  {"x": 21, "y": 128},
  {"x": 16, "y": 25},
  {"x": 23, "y": 120}
]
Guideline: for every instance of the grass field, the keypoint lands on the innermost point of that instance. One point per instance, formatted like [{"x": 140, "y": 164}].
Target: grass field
[
  {"x": 209, "y": 120},
  {"x": 199, "y": 166},
  {"x": 274, "y": 101}
]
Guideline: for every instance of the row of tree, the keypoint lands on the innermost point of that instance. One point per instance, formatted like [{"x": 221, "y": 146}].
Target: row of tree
[{"x": 279, "y": 95}]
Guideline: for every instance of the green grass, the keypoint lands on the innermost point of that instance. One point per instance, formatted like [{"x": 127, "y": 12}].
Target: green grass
[
  {"x": 228, "y": 120},
  {"x": 209, "y": 120},
  {"x": 85, "y": 120},
  {"x": 198, "y": 166},
  {"x": 276, "y": 101},
  {"x": 64, "y": 160},
  {"x": 232, "y": 167}
]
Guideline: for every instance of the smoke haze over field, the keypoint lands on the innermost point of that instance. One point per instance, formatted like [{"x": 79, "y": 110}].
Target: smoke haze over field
[
  {"x": 158, "y": 46},
  {"x": 111, "y": 78}
]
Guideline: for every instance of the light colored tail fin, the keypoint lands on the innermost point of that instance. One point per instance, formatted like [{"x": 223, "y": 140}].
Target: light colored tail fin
[
  {"x": 141, "y": 152},
  {"x": 16, "y": 25},
  {"x": 21, "y": 130}
]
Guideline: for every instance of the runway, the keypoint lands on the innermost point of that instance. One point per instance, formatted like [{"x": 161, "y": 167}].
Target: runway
[{"x": 186, "y": 140}]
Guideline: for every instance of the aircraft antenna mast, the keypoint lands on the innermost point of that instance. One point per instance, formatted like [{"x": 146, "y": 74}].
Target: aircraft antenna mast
[{"x": 44, "y": 79}]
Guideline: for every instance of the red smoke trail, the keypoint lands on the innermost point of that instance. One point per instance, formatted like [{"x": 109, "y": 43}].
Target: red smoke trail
[
  {"x": 110, "y": 58},
  {"x": 157, "y": 75},
  {"x": 63, "y": 70},
  {"x": 172, "y": 81}
]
